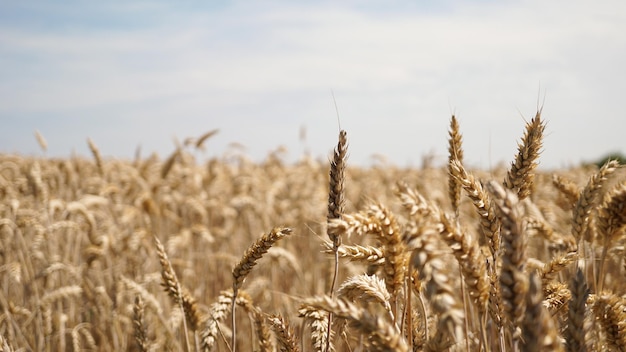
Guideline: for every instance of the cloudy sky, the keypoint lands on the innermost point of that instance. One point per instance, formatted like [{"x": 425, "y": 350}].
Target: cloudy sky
[{"x": 129, "y": 74}]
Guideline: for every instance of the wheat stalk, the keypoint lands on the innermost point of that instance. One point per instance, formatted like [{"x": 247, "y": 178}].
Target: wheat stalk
[
  {"x": 513, "y": 279},
  {"x": 455, "y": 154},
  {"x": 380, "y": 334},
  {"x": 521, "y": 175},
  {"x": 248, "y": 261}
]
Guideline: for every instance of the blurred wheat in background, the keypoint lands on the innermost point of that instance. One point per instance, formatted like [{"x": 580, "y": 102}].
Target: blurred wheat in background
[{"x": 173, "y": 255}]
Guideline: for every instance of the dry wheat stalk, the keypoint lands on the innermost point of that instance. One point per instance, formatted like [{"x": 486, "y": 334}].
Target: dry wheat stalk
[
  {"x": 489, "y": 223},
  {"x": 577, "y": 329},
  {"x": 568, "y": 188},
  {"x": 4, "y": 345},
  {"x": 336, "y": 197},
  {"x": 587, "y": 199},
  {"x": 550, "y": 270},
  {"x": 199, "y": 144},
  {"x": 513, "y": 279},
  {"x": 262, "y": 330},
  {"x": 287, "y": 341},
  {"x": 319, "y": 327},
  {"x": 247, "y": 262},
  {"x": 556, "y": 295},
  {"x": 521, "y": 175},
  {"x": 336, "y": 207},
  {"x": 394, "y": 249},
  {"x": 217, "y": 312},
  {"x": 471, "y": 261},
  {"x": 60, "y": 293},
  {"x": 455, "y": 154},
  {"x": 97, "y": 156},
  {"x": 539, "y": 330},
  {"x": 256, "y": 252},
  {"x": 611, "y": 221},
  {"x": 169, "y": 162},
  {"x": 41, "y": 141},
  {"x": 381, "y": 335},
  {"x": 610, "y": 311},
  {"x": 358, "y": 253},
  {"x": 176, "y": 291},
  {"x": 366, "y": 288},
  {"x": 140, "y": 324},
  {"x": 427, "y": 258}
]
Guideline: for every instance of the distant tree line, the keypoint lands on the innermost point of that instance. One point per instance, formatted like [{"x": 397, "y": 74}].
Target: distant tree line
[{"x": 611, "y": 156}]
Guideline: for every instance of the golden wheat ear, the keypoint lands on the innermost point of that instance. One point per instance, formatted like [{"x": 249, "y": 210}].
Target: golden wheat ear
[
  {"x": 611, "y": 222},
  {"x": 177, "y": 293},
  {"x": 610, "y": 311},
  {"x": 285, "y": 336},
  {"x": 489, "y": 223},
  {"x": 336, "y": 196},
  {"x": 256, "y": 252},
  {"x": 247, "y": 262},
  {"x": 97, "y": 156},
  {"x": 539, "y": 329},
  {"x": 41, "y": 141},
  {"x": 577, "y": 329},
  {"x": 381, "y": 335},
  {"x": 471, "y": 260},
  {"x": 513, "y": 278},
  {"x": 521, "y": 175},
  {"x": 140, "y": 325},
  {"x": 455, "y": 154},
  {"x": 588, "y": 200}
]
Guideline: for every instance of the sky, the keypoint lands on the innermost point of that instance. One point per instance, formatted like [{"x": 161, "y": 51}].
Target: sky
[{"x": 130, "y": 74}]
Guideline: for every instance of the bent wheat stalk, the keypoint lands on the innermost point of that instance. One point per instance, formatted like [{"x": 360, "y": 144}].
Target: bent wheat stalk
[{"x": 247, "y": 262}]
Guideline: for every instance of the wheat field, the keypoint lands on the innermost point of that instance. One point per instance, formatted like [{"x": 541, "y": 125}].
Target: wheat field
[{"x": 100, "y": 254}]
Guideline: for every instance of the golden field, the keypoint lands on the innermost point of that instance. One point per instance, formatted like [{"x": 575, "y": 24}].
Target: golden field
[{"x": 100, "y": 254}]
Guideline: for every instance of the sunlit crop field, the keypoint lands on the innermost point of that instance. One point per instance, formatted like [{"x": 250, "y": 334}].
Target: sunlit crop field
[{"x": 149, "y": 254}]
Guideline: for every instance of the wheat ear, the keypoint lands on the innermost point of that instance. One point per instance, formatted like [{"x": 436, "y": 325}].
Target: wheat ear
[
  {"x": 4, "y": 345},
  {"x": 575, "y": 333},
  {"x": 217, "y": 312},
  {"x": 247, "y": 262},
  {"x": 336, "y": 207},
  {"x": 568, "y": 188},
  {"x": 287, "y": 341},
  {"x": 588, "y": 197},
  {"x": 179, "y": 294},
  {"x": 318, "y": 320},
  {"x": 336, "y": 196},
  {"x": 471, "y": 260},
  {"x": 455, "y": 154},
  {"x": 96, "y": 155},
  {"x": 358, "y": 253},
  {"x": 172, "y": 286},
  {"x": 521, "y": 175},
  {"x": 382, "y": 335},
  {"x": 394, "y": 250},
  {"x": 200, "y": 142},
  {"x": 489, "y": 223},
  {"x": 610, "y": 310},
  {"x": 427, "y": 259},
  {"x": 366, "y": 288},
  {"x": 550, "y": 270},
  {"x": 140, "y": 324},
  {"x": 41, "y": 141},
  {"x": 539, "y": 329},
  {"x": 611, "y": 223},
  {"x": 169, "y": 162},
  {"x": 513, "y": 279}
]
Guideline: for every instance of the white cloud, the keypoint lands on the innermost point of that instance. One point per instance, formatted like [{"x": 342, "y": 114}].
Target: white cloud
[{"x": 401, "y": 72}]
